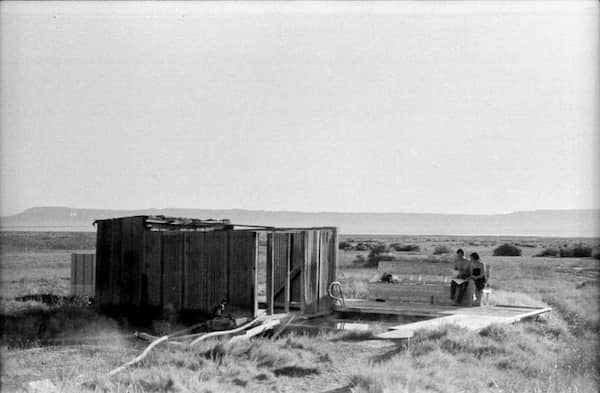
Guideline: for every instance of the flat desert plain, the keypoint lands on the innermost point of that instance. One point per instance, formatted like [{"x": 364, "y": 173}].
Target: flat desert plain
[{"x": 68, "y": 343}]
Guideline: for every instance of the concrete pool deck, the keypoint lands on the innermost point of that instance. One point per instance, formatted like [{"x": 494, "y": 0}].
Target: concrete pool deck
[{"x": 473, "y": 318}]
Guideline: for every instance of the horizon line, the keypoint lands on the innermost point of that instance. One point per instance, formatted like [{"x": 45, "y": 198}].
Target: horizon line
[{"x": 309, "y": 211}]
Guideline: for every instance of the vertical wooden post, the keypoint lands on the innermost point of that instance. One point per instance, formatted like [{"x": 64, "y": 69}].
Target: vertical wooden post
[
  {"x": 303, "y": 272},
  {"x": 334, "y": 256},
  {"x": 286, "y": 293},
  {"x": 255, "y": 274},
  {"x": 185, "y": 288},
  {"x": 270, "y": 272}
]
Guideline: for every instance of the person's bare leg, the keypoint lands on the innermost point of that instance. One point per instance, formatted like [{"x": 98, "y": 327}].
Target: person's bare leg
[{"x": 478, "y": 296}]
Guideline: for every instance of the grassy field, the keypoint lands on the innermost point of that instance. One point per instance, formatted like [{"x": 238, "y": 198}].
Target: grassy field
[{"x": 555, "y": 353}]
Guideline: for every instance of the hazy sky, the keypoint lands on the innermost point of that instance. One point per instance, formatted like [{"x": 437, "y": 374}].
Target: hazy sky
[{"x": 455, "y": 107}]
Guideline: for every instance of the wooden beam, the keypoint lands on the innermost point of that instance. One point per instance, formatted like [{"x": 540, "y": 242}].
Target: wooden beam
[
  {"x": 303, "y": 270},
  {"x": 292, "y": 305},
  {"x": 286, "y": 294},
  {"x": 270, "y": 273},
  {"x": 334, "y": 254},
  {"x": 292, "y": 274},
  {"x": 255, "y": 276}
]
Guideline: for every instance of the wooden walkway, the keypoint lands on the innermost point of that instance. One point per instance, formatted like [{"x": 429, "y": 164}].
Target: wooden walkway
[{"x": 474, "y": 318}]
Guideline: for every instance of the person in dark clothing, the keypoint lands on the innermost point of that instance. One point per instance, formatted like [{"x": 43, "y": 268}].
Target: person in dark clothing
[
  {"x": 478, "y": 276},
  {"x": 463, "y": 271}
]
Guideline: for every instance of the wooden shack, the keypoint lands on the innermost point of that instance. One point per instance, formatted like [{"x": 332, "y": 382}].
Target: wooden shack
[{"x": 192, "y": 265}]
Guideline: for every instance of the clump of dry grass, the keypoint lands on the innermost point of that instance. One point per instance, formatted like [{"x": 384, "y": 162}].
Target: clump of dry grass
[
  {"x": 41, "y": 323},
  {"x": 355, "y": 282},
  {"x": 506, "y": 358},
  {"x": 218, "y": 366}
]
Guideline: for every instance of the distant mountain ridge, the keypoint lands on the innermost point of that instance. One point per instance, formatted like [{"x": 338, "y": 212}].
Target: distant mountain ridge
[{"x": 561, "y": 223}]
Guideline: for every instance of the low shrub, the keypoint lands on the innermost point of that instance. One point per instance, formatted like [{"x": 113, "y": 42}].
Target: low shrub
[
  {"x": 344, "y": 246},
  {"x": 379, "y": 249},
  {"x": 362, "y": 247},
  {"x": 548, "y": 252},
  {"x": 400, "y": 247},
  {"x": 577, "y": 251},
  {"x": 441, "y": 250},
  {"x": 373, "y": 260},
  {"x": 359, "y": 260},
  {"x": 379, "y": 252},
  {"x": 507, "y": 250}
]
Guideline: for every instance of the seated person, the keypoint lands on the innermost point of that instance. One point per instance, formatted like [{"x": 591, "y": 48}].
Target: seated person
[
  {"x": 478, "y": 277},
  {"x": 464, "y": 271}
]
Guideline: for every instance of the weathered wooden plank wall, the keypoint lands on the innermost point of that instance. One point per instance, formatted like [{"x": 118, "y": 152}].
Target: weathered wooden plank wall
[
  {"x": 217, "y": 247},
  {"x": 116, "y": 281},
  {"x": 320, "y": 269},
  {"x": 270, "y": 272},
  {"x": 132, "y": 250},
  {"x": 242, "y": 269},
  {"x": 300, "y": 266},
  {"x": 172, "y": 274},
  {"x": 102, "y": 265},
  {"x": 281, "y": 265},
  {"x": 152, "y": 260},
  {"x": 297, "y": 265},
  {"x": 333, "y": 255},
  {"x": 195, "y": 294},
  {"x": 324, "y": 268},
  {"x": 311, "y": 275}
]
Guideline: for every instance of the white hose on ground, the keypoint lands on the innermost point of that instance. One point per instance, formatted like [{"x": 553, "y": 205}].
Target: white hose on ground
[
  {"x": 139, "y": 358},
  {"x": 223, "y": 332},
  {"x": 165, "y": 338}
]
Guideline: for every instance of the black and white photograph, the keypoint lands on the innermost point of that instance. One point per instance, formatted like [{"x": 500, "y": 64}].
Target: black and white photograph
[{"x": 337, "y": 196}]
